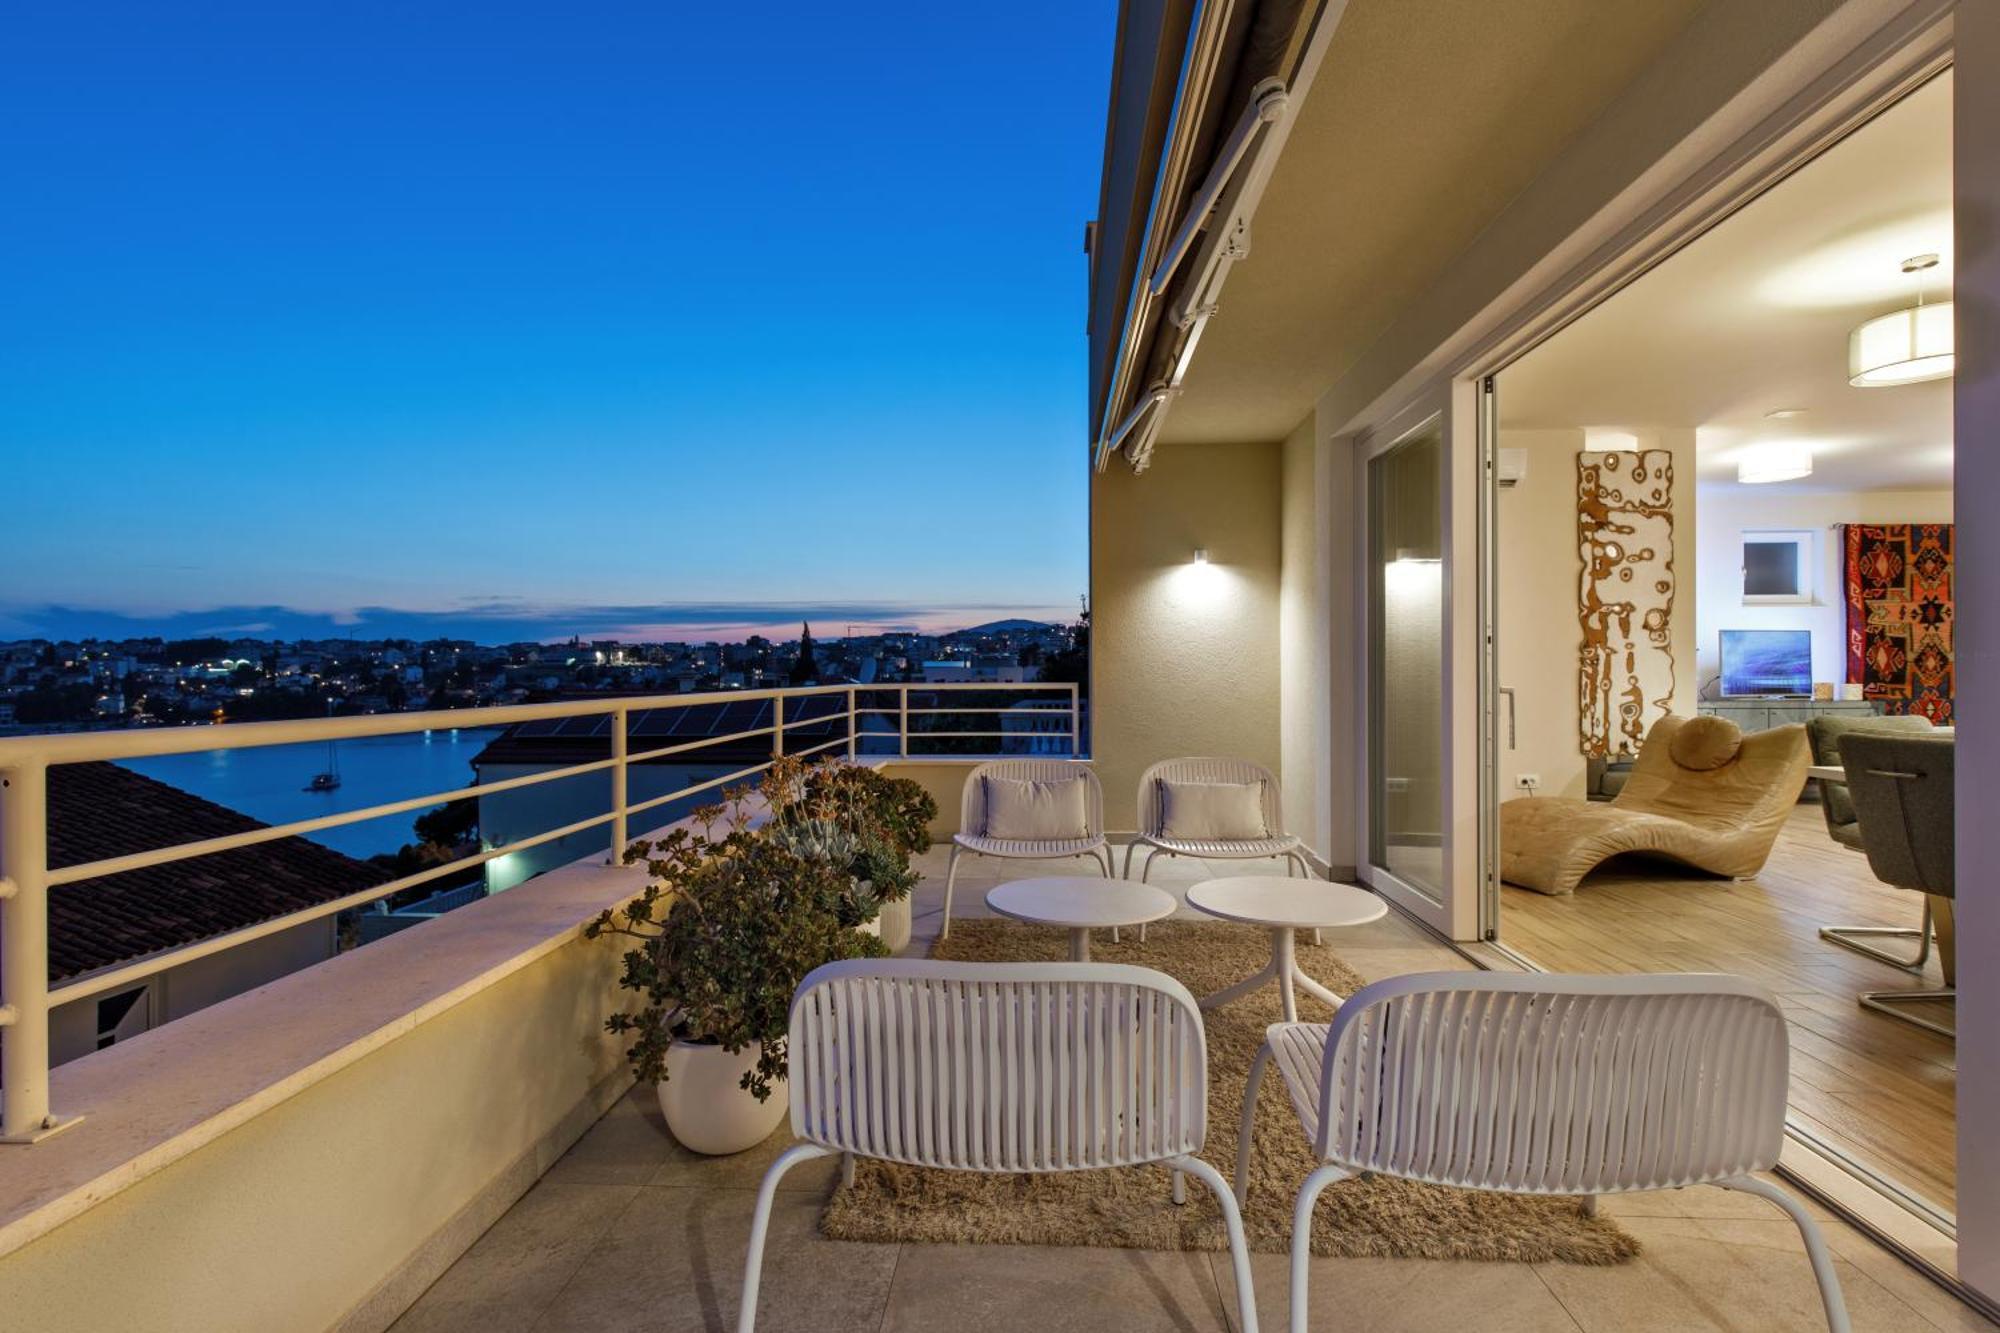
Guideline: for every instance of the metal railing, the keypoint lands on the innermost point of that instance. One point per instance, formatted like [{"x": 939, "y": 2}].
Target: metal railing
[{"x": 26, "y": 877}]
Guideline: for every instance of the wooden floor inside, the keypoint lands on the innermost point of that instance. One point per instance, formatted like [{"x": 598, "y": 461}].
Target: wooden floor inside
[{"x": 1880, "y": 1090}]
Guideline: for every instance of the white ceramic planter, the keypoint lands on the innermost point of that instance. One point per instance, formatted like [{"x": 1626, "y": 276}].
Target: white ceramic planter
[
  {"x": 893, "y": 923},
  {"x": 706, "y": 1106}
]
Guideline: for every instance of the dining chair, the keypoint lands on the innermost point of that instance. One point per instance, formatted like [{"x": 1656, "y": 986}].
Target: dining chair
[
  {"x": 1843, "y": 825},
  {"x": 998, "y": 1067},
  {"x": 1153, "y": 819},
  {"x": 1153, "y": 816},
  {"x": 1904, "y": 790},
  {"x": 1531, "y": 1083},
  {"x": 973, "y": 838}
]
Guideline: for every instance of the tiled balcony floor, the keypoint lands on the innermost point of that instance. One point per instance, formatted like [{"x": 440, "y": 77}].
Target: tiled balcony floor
[{"x": 630, "y": 1231}]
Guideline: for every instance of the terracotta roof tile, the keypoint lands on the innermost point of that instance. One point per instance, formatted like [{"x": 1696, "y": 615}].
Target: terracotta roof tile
[{"x": 101, "y": 810}]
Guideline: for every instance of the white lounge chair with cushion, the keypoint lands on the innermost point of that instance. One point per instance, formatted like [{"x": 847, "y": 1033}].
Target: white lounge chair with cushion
[
  {"x": 1029, "y": 809},
  {"x": 998, "y": 1067},
  {"x": 1539, "y": 1084},
  {"x": 1221, "y": 809}
]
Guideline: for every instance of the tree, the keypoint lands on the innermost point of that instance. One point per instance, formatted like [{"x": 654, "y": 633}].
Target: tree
[
  {"x": 185, "y": 651},
  {"x": 805, "y": 670},
  {"x": 53, "y": 702},
  {"x": 450, "y": 825},
  {"x": 1071, "y": 665}
]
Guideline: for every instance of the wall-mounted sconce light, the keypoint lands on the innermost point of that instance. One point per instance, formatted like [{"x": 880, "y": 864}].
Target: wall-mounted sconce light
[{"x": 1201, "y": 555}]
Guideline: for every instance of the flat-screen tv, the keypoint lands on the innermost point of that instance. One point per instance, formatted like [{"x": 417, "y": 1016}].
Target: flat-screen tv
[{"x": 1766, "y": 662}]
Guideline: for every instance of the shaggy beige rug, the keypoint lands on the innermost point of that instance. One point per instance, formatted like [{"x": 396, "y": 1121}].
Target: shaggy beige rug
[{"x": 1129, "y": 1208}]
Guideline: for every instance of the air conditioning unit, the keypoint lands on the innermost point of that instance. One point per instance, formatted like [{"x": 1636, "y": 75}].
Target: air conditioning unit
[{"x": 1513, "y": 466}]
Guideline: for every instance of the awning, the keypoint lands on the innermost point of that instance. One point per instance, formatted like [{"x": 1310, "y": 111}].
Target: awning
[{"x": 1185, "y": 166}]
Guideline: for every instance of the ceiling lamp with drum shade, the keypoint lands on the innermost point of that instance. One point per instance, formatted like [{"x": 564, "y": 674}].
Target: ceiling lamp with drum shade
[
  {"x": 1907, "y": 347},
  {"x": 1774, "y": 460}
]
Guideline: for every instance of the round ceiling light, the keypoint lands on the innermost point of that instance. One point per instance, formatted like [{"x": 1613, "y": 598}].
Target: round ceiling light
[
  {"x": 1905, "y": 347},
  {"x": 1778, "y": 460}
]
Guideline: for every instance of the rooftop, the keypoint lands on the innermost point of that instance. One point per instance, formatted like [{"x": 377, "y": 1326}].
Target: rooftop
[{"x": 102, "y": 810}]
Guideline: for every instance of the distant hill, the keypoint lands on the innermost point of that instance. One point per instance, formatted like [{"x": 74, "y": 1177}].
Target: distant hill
[{"x": 1001, "y": 626}]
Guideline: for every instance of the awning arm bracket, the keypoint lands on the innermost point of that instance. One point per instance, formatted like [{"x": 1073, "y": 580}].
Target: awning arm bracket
[
  {"x": 1267, "y": 103},
  {"x": 1153, "y": 398}
]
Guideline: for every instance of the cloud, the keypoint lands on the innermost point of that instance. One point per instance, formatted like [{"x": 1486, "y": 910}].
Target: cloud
[{"x": 504, "y": 619}]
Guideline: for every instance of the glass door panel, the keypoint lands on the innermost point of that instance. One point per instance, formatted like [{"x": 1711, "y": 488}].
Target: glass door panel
[{"x": 1408, "y": 798}]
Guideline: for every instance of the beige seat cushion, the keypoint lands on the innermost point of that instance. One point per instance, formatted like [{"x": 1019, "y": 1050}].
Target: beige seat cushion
[
  {"x": 1023, "y": 811},
  {"x": 1212, "y": 811}
]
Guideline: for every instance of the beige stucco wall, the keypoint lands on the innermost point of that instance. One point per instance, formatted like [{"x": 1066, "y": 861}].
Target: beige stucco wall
[
  {"x": 341, "y": 1203},
  {"x": 1304, "y": 636},
  {"x": 1184, "y": 657},
  {"x": 1538, "y": 632},
  {"x": 1537, "y": 585}
]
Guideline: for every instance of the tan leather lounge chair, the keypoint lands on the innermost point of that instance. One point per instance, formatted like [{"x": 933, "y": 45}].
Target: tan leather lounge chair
[{"x": 1701, "y": 792}]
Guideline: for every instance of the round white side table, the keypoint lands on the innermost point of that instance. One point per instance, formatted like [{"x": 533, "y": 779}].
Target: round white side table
[
  {"x": 1080, "y": 906},
  {"x": 1282, "y": 906}
]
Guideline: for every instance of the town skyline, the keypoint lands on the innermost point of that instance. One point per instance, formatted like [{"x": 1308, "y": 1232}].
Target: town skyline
[
  {"x": 503, "y": 621},
  {"x": 96, "y": 683}
]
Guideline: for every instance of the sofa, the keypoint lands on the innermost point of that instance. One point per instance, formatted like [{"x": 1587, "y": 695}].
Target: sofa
[{"x": 1701, "y": 792}]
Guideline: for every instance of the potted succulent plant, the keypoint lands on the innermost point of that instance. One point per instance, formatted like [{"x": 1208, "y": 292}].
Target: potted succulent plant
[
  {"x": 730, "y": 922},
  {"x": 864, "y": 820}
]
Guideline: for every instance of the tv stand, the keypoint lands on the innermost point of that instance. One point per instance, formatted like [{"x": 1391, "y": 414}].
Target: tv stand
[{"x": 1763, "y": 714}]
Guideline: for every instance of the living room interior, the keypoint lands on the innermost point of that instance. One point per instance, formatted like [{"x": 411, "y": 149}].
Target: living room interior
[{"x": 1724, "y": 526}]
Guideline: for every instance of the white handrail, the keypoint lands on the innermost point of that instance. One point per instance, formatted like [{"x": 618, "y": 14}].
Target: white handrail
[
  {"x": 25, "y": 877},
  {"x": 146, "y": 742},
  {"x": 118, "y": 865},
  {"x": 139, "y": 969}
]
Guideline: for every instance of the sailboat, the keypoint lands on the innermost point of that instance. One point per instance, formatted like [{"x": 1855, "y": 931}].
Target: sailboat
[{"x": 330, "y": 779}]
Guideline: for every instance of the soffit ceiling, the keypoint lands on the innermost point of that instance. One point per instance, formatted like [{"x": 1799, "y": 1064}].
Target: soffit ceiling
[
  {"x": 1754, "y": 317},
  {"x": 1426, "y": 119}
]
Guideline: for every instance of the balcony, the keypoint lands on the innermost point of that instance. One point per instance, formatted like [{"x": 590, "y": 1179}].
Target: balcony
[
  {"x": 432, "y": 1131},
  {"x": 628, "y": 1230}
]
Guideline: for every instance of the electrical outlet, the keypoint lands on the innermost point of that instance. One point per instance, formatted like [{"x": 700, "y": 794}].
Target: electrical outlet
[{"x": 1528, "y": 781}]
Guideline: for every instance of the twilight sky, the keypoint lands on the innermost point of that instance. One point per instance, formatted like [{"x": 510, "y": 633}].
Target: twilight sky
[{"x": 510, "y": 321}]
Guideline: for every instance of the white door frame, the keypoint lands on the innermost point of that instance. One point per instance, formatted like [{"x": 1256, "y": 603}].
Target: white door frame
[{"x": 1454, "y": 912}]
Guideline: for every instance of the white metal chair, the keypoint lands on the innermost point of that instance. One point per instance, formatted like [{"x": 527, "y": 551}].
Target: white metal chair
[
  {"x": 971, "y": 836},
  {"x": 1539, "y": 1084},
  {"x": 1152, "y": 817},
  {"x": 998, "y": 1067}
]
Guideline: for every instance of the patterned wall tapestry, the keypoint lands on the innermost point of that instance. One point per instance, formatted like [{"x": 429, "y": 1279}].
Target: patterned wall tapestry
[
  {"x": 1899, "y": 615},
  {"x": 1625, "y": 597}
]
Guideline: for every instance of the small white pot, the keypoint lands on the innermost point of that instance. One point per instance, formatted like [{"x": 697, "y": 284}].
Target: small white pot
[
  {"x": 705, "y": 1104},
  {"x": 893, "y": 924}
]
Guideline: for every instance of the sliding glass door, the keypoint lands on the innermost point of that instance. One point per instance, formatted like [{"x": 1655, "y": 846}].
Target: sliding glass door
[
  {"x": 1417, "y": 496},
  {"x": 1406, "y": 656}
]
